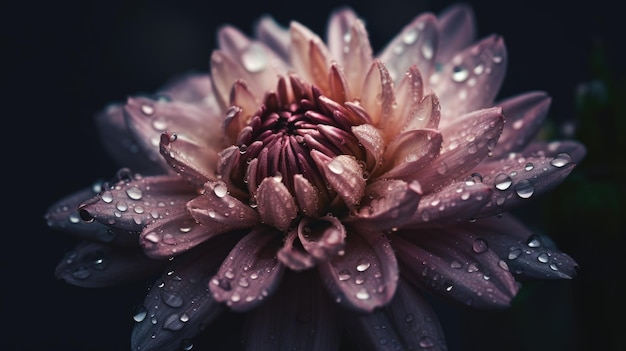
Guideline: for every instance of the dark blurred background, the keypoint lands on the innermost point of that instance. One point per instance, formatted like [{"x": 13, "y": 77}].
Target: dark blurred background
[{"x": 63, "y": 61}]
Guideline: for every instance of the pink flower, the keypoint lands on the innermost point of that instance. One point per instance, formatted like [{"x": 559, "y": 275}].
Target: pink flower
[{"x": 319, "y": 187}]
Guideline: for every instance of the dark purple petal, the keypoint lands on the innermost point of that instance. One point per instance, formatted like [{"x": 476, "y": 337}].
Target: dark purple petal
[
  {"x": 298, "y": 317},
  {"x": 322, "y": 237},
  {"x": 528, "y": 255},
  {"x": 96, "y": 265},
  {"x": 179, "y": 305},
  {"x": 455, "y": 264},
  {"x": 173, "y": 236},
  {"x": 407, "y": 323},
  {"x": 131, "y": 204},
  {"x": 455, "y": 203},
  {"x": 193, "y": 162},
  {"x": 251, "y": 272},
  {"x": 387, "y": 204},
  {"x": 293, "y": 255},
  {"x": 366, "y": 276},
  {"x": 276, "y": 206},
  {"x": 524, "y": 115},
  {"x": 307, "y": 196}
]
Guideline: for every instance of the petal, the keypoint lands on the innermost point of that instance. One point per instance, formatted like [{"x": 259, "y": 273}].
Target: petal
[
  {"x": 357, "y": 58},
  {"x": 387, "y": 205},
  {"x": 178, "y": 306},
  {"x": 124, "y": 149},
  {"x": 457, "y": 30},
  {"x": 466, "y": 143},
  {"x": 377, "y": 96},
  {"x": 415, "y": 45},
  {"x": 525, "y": 114},
  {"x": 173, "y": 236},
  {"x": 194, "y": 88},
  {"x": 345, "y": 176},
  {"x": 293, "y": 255},
  {"x": 96, "y": 265},
  {"x": 228, "y": 167},
  {"x": 131, "y": 204},
  {"x": 194, "y": 162},
  {"x": 298, "y": 317},
  {"x": 339, "y": 27},
  {"x": 243, "y": 104},
  {"x": 219, "y": 211},
  {"x": 372, "y": 140},
  {"x": 303, "y": 41},
  {"x": 225, "y": 72},
  {"x": 410, "y": 151},
  {"x": 276, "y": 206},
  {"x": 426, "y": 114},
  {"x": 472, "y": 78},
  {"x": 307, "y": 196},
  {"x": 407, "y": 323},
  {"x": 64, "y": 215},
  {"x": 457, "y": 265},
  {"x": 366, "y": 276},
  {"x": 274, "y": 36},
  {"x": 455, "y": 203},
  {"x": 337, "y": 84},
  {"x": 251, "y": 273},
  {"x": 322, "y": 237},
  {"x": 527, "y": 255},
  {"x": 409, "y": 94},
  {"x": 518, "y": 178}
]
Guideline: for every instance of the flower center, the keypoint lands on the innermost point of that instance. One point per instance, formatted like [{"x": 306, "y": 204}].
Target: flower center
[{"x": 290, "y": 124}]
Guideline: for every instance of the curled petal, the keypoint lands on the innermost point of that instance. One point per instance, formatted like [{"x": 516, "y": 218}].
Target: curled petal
[
  {"x": 456, "y": 265},
  {"x": 174, "y": 235},
  {"x": 307, "y": 196},
  {"x": 337, "y": 84},
  {"x": 466, "y": 143},
  {"x": 377, "y": 96},
  {"x": 178, "y": 307},
  {"x": 293, "y": 255},
  {"x": 243, "y": 104},
  {"x": 426, "y": 114},
  {"x": 372, "y": 140},
  {"x": 408, "y": 322},
  {"x": 524, "y": 114},
  {"x": 410, "y": 151},
  {"x": 276, "y": 206},
  {"x": 131, "y": 204},
  {"x": 455, "y": 203},
  {"x": 366, "y": 276},
  {"x": 388, "y": 204},
  {"x": 194, "y": 162},
  {"x": 322, "y": 237},
  {"x": 220, "y": 212},
  {"x": 96, "y": 265},
  {"x": 415, "y": 45},
  {"x": 298, "y": 317},
  {"x": 345, "y": 176},
  {"x": 251, "y": 273},
  {"x": 527, "y": 255},
  {"x": 227, "y": 164}
]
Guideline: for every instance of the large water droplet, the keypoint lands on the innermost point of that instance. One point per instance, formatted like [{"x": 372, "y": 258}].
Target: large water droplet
[
  {"x": 362, "y": 295},
  {"x": 134, "y": 193},
  {"x": 363, "y": 266},
  {"x": 171, "y": 298},
  {"x": 254, "y": 59},
  {"x": 335, "y": 166},
  {"x": 561, "y": 160},
  {"x": 480, "y": 245},
  {"x": 459, "y": 74},
  {"x": 220, "y": 189},
  {"x": 410, "y": 36},
  {"x": 503, "y": 181},
  {"x": 140, "y": 314},
  {"x": 524, "y": 189}
]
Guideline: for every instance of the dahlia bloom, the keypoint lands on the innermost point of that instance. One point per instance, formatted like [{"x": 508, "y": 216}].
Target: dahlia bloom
[{"x": 318, "y": 187}]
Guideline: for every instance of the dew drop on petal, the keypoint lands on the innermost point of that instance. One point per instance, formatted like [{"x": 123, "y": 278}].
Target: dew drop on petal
[
  {"x": 459, "y": 74},
  {"x": 503, "y": 181},
  {"x": 524, "y": 189},
  {"x": 140, "y": 314},
  {"x": 426, "y": 342},
  {"x": 134, "y": 193},
  {"x": 171, "y": 298},
  {"x": 254, "y": 58},
  {"x": 362, "y": 295},
  {"x": 220, "y": 190},
  {"x": 529, "y": 166},
  {"x": 335, "y": 166},
  {"x": 533, "y": 241},
  {"x": 410, "y": 36},
  {"x": 514, "y": 253},
  {"x": 147, "y": 110},
  {"x": 363, "y": 266},
  {"x": 480, "y": 245},
  {"x": 543, "y": 257},
  {"x": 561, "y": 160},
  {"x": 107, "y": 197}
]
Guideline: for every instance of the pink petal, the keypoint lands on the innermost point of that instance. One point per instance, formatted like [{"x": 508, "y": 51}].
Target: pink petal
[
  {"x": 193, "y": 162},
  {"x": 456, "y": 265},
  {"x": 455, "y": 203},
  {"x": 243, "y": 105},
  {"x": 337, "y": 84},
  {"x": 251, "y": 273},
  {"x": 220, "y": 212},
  {"x": 524, "y": 114},
  {"x": 457, "y": 30},
  {"x": 225, "y": 71},
  {"x": 132, "y": 204},
  {"x": 307, "y": 196},
  {"x": 178, "y": 306},
  {"x": 339, "y": 27},
  {"x": 193, "y": 88},
  {"x": 527, "y": 255},
  {"x": 173, "y": 236},
  {"x": 276, "y": 205},
  {"x": 366, "y": 276},
  {"x": 274, "y": 36},
  {"x": 96, "y": 265},
  {"x": 411, "y": 151},
  {"x": 293, "y": 255},
  {"x": 372, "y": 140},
  {"x": 407, "y": 323},
  {"x": 471, "y": 80},
  {"x": 409, "y": 94},
  {"x": 228, "y": 167},
  {"x": 298, "y": 317},
  {"x": 387, "y": 204},
  {"x": 322, "y": 237},
  {"x": 377, "y": 96},
  {"x": 466, "y": 143},
  {"x": 303, "y": 40},
  {"x": 415, "y": 45},
  {"x": 345, "y": 176},
  {"x": 426, "y": 114},
  {"x": 357, "y": 58}
]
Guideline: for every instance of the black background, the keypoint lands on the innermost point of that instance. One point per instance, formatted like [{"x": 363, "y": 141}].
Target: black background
[{"x": 65, "y": 60}]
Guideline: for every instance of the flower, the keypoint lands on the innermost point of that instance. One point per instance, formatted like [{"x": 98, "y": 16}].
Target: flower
[{"x": 319, "y": 187}]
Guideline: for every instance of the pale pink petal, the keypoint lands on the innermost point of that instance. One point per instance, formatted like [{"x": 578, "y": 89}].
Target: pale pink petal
[
  {"x": 337, "y": 84},
  {"x": 178, "y": 306},
  {"x": 307, "y": 196},
  {"x": 232, "y": 176},
  {"x": 456, "y": 265},
  {"x": 276, "y": 206},
  {"x": 274, "y": 36},
  {"x": 466, "y": 143},
  {"x": 357, "y": 58},
  {"x": 409, "y": 94},
  {"x": 251, "y": 273},
  {"x": 293, "y": 255},
  {"x": 194, "y": 162},
  {"x": 338, "y": 31},
  {"x": 173, "y": 236},
  {"x": 409, "y": 152},
  {"x": 131, "y": 204},
  {"x": 302, "y": 41},
  {"x": 243, "y": 105},
  {"x": 456, "y": 203},
  {"x": 472, "y": 79},
  {"x": 225, "y": 71},
  {"x": 96, "y": 265},
  {"x": 366, "y": 276},
  {"x": 426, "y": 114},
  {"x": 377, "y": 96},
  {"x": 416, "y": 44},
  {"x": 372, "y": 140},
  {"x": 344, "y": 174},
  {"x": 457, "y": 30},
  {"x": 298, "y": 317},
  {"x": 319, "y": 61},
  {"x": 322, "y": 237},
  {"x": 193, "y": 88},
  {"x": 408, "y": 322},
  {"x": 528, "y": 255}
]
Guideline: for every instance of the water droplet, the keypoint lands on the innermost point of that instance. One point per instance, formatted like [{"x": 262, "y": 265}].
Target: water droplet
[
  {"x": 459, "y": 74},
  {"x": 186, "y": 344},
  {"x": 426, "y": 342},
  {"x": 171, "y": 298},
  {"x": 503, "y": 181},
  {"x": 533, "y": 241},
  {"x": 121, "y": 206},
  {"x": 524, "y": 189},
  {"x": 514, "y": 253},
  {"x": 134, "y": 193},
  {"x": 81, "y": 273},
  {"x": 147, "y": 110},
  {"x": 456, "y": 264},
  {"x": 362, "y": 295},
  {"x": 480, "y": 245},
  {"x": 254, "y": 58},
  {"x": 543, "y": 257},
  {"x": 335, "y": 166},
  {"x": 107, "y": 197},
  {"x": 363, "y": 266},
  {"x": 140, "y": 314},
  {"x": 344, "y": 275},
  {"x": 561, "y": 160},
  {"x": 410, "y": 36},
  {"x": 529, "y": 166},
  {"x": 172, "y": 322},
  {"x": 220, "y": 189}
]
